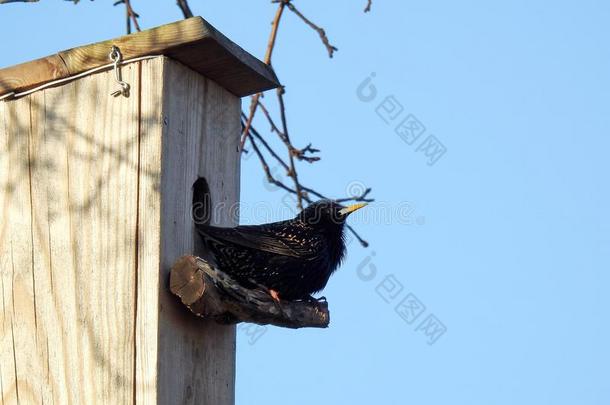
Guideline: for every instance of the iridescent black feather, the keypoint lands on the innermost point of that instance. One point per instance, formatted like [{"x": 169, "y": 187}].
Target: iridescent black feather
[{"x": 294, "y": 257}]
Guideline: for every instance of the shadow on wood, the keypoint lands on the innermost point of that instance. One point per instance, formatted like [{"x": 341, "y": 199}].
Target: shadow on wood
[{"x": 212, "y": 294}]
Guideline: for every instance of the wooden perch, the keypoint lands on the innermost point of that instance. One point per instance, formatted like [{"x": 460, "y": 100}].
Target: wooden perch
[{"x": 212, "y": 294}]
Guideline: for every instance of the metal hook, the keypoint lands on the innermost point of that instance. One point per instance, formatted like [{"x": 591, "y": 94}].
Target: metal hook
[{"x": 116, "y": 57}]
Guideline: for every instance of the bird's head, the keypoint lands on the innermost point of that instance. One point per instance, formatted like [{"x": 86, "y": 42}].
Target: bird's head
[{"x": 328, "y": 214}]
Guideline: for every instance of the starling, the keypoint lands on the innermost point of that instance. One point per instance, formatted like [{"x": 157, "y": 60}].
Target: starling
[{"x": 292, "y": 259}]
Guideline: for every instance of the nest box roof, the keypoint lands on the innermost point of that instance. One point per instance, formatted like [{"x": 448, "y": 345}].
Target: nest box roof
[{"x": 193, "y": 42}]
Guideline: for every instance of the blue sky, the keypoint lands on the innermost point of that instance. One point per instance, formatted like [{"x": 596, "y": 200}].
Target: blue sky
[{"x": 504, "y": 240}]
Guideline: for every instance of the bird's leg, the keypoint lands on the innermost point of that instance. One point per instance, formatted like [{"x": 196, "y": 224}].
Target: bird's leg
[{"x": 275, "y": 295}]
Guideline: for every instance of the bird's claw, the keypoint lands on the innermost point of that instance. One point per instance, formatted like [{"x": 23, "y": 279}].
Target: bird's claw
[
  {"x": 314, "y": 300},
  {"x": 275, "y": 295}
]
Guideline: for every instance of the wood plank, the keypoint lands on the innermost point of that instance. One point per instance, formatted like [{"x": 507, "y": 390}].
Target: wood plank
[
  {"x": 103, "y": 178},
  {"x": 196, "y": 360},
  {"x": 69, "y": 359},
  {"x": 15, "y": 265},
  {"x": 149, "y": 232},
  {"x": 219, "y": 162},
  {"x": 8, "y": 381},
  {"x": 73, "y": 242},
  {"x": 193, "y": 42},
  {"x": 17, "y": 241},
  {"x": 65, "y": 356},
  {"x": 40, "y": 158}
]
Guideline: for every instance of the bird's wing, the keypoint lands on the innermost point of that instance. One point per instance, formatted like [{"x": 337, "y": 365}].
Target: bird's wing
[{"x": 255, "y": 237}]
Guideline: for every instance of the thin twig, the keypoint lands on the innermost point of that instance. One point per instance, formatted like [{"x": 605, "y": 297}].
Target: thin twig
[
  {"x": 130, "y": 15},
  {"x": 300, "y": 154},
  {"x": 275, "y": 24},
  {"x": 362, "y": 241},
  {"x": 249, "y": 132},
  {"x": 265, "y": 166},
  {"x": 274, "y": 127},
  {"x": 368, "y": 6},
  {"x": 305, "y": 191},
  {"x": 329, "y": 48},
  {"x": 286, "y": 138},
  {"x": 254, "y": 132},
  {"x": 355, "y": 198},
  {"x": 184, "y": 7}
]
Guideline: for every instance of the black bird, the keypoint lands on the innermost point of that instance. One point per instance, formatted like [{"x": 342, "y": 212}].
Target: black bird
[{"x": 292, "y": 259}]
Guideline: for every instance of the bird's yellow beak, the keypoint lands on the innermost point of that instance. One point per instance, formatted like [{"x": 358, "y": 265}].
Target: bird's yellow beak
[{"x": 351, "y": 208}]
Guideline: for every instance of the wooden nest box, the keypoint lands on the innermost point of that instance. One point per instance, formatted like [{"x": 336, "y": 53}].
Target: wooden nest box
[{"x": 95, "y": 197}]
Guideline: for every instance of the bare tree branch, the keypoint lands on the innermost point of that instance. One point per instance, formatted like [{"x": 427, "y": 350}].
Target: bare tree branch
[
  {"x": 260, "y": 144},
  {"x": 184, "y": 7},
  {"x": 212, "y": 294},
  {"x": 274, "y": 127},
  {"x": 254, "y": 132},
  {"x": 130, "y": 15},
  {"x": 275, "y": 24},
  {"x": 329, "y": 48},
  {"x": 305, "y": 191},
  {"x": 286, "y": 138},
  {"x": 369, "y": 3}
]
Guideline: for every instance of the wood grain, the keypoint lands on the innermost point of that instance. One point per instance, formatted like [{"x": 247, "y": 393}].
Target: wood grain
[
  {"x": 200, "y": 137},
  {"x": 69, "y": 196},
  {"x": 193, "y": 42},
  {"x": 90, "y": 226}
]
